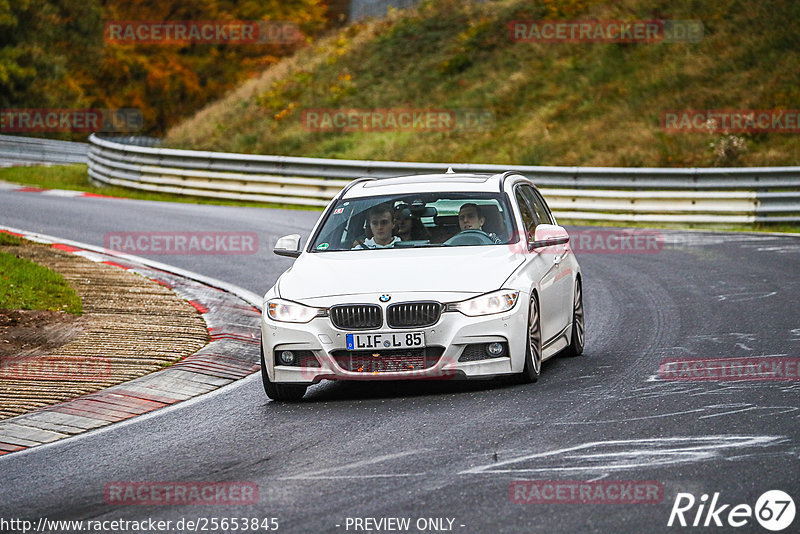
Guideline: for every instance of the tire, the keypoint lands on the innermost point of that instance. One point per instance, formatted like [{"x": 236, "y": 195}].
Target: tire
[
  {"x": 280, "y": 392},
  {"x": 533, "y": 353},
  {"x": 575, "y": 347}
]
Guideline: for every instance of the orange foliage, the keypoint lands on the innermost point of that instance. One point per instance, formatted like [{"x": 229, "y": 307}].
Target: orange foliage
[{"x": 168, "y": 82}]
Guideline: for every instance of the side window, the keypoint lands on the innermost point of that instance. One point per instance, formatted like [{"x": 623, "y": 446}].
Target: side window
[
  {"x": 528, "y": 217},
  {"x": 536, "y": 201}
]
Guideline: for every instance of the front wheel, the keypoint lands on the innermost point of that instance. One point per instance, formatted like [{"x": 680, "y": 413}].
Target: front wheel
[
  {"x": 575, "y": 347},
  {"x": 533, "y": 353},
  {"x": 280, "y": 392}
]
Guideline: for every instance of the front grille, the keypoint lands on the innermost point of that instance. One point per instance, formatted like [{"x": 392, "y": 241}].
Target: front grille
[
  {"x": 356, "y": 316},
  {"x": 474, "y": 353},
  {"x": 385, "y": 361},
  {"x": 413, "y": 314}
]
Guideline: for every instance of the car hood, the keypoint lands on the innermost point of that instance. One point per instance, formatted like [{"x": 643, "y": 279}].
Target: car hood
[{"x": 462, "y": 269}]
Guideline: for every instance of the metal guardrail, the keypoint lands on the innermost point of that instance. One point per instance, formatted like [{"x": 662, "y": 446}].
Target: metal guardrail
[
  {"x": 15, "y": 150},
  {"x": 138, "y": 140},
  {"x": 698, "y": 195}
]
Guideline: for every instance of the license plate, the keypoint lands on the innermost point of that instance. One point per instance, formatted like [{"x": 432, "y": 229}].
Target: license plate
[{"x": 385, "y": 340}]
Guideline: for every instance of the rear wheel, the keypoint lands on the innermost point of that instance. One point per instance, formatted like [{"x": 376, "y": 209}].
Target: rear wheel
[
  {"x": 280, "y": 392},
  {"x": 575, "y": 347},
  {"x": 533, "y": 353}
]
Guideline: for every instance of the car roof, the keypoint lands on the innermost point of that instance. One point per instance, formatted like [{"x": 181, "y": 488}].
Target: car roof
[{"x": 425, "y": 183}]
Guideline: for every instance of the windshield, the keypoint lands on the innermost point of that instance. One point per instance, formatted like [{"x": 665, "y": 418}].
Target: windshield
[{"x": 416, "y": 220}]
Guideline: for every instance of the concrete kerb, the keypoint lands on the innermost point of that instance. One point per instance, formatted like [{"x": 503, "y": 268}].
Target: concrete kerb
[{"x": 232, "y": 315}]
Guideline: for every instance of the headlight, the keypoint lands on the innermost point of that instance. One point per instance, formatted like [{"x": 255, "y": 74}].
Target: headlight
[
  {"x": 291, "y": 312},
  {"x": 496, "y": 302}
]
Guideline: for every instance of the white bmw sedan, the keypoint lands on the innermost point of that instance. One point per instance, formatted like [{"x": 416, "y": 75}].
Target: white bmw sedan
[{"x": 423, "y": 277}]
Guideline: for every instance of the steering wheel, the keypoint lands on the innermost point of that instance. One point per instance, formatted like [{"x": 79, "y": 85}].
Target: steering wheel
[{"x": 470, "y": 237}]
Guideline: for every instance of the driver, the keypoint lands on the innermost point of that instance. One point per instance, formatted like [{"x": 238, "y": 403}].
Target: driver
[{"x": 470, "y": 217}]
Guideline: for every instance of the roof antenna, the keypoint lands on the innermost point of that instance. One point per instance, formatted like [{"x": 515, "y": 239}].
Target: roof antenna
[{"x": 450, "y": 170}]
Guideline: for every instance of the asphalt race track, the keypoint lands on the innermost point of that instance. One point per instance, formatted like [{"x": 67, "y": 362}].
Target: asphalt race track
[{"x": 450, "y": 450}]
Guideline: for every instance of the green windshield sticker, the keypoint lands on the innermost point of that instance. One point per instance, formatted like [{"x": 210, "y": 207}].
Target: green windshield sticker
[{"x": 322, "y": 246}]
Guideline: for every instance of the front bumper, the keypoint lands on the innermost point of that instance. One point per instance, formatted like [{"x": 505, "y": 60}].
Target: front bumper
[{"x": 452, "y": 333}]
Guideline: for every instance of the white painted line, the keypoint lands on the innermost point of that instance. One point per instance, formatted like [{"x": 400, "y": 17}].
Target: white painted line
[
  {"x": 643, "y": 453},
  {"x": 338, "y": 477},
  {"x": 751, "y": 407},
  {"x": 310, "y": 475},
  {"x": 632, "y": 418},
  {"x": 62, "y": 193}
]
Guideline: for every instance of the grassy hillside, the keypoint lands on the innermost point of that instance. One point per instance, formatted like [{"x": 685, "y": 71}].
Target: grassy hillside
[{"x": 554, "y": 104}]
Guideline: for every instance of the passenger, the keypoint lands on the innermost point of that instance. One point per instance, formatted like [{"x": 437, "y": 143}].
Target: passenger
[
  {"x": 470, "y": 217},
  {"x": 381, "y": 226},
  {"x": 409, "y": 228}
]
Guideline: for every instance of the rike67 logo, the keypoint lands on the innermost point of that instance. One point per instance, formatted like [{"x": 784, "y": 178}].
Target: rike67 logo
[{"x": 774, "y": 510}]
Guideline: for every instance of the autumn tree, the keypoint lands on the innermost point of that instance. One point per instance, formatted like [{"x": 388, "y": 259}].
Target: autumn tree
[{"x": 53, "y": 53}]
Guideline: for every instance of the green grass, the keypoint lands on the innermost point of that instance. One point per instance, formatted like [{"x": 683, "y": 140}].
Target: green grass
[
  {"x": 76, "y": 178},
  {"x": 586, "y": 104},
  {"x": 25, "y": 285},
  {"x": 9, "y": 240}
]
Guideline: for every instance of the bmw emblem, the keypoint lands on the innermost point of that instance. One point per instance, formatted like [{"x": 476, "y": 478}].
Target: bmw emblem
[{"x": 385, "y": 298}]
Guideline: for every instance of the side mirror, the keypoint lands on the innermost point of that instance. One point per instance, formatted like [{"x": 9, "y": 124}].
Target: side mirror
[
  {"x": 548, "y": 235},
  {"x": 288, "y": 245}
]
